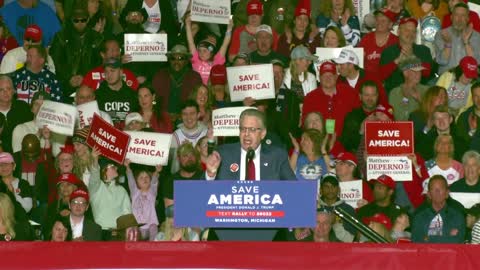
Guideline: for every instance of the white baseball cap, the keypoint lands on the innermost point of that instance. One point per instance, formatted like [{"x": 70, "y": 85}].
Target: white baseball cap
[
  {"x": 135, "y": 116},
  {"x": 347, "y": 56},
  {"x": 264, "y": 28}
]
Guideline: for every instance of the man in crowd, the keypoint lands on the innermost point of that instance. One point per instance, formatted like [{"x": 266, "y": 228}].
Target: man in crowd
[
  {"x": 265, "y": 162},
  {"x": 457, "y": 41},
  {"x": 474, "y": 19},
  {"x": 438, "y": 221},
  {"x": 323, "y": 230},
  {"x": 83, "y": 228},
  {"x": 110, "y": 49},
  {"x": 407, "y": 97},
  {"x": 175, "y": 83},
  {"x": 471, "y": 168},
  {"x": 391, "y": 56},
  {"x": 264, "y": 53},
  {"x": 334, "y": 101},
  {"x": 467, "y": 122},
  {"x": 35, "y": 77},
  {"x": 16, "y": 58},
  {"x": 114, "y": 96},
  {"x": 85, "y": 94}
]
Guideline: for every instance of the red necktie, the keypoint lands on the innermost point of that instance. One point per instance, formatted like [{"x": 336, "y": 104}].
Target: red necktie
[{"x": 251, "y": 170}]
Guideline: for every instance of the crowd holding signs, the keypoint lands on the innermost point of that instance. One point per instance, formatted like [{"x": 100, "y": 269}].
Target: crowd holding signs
[{"x": 255, "y": 81}]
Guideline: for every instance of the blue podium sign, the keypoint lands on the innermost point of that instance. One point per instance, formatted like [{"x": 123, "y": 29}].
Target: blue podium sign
[{"x": 245, "y": 204}]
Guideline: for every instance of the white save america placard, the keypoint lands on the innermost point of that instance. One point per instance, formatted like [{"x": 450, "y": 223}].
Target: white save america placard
[
  {"x": 58, "y": 117},
  {"x": 211, "y": 11},
  {"x": 226, "y": 121},
  {"x": 148, "y": 148},
  {"x": 146, "y": 47},
  {"x": 254, "y": 81}
]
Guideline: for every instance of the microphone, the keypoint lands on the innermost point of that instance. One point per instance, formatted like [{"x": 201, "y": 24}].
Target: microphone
[
  {"x": 211, "y": 146},
  {"x": 250, "y": 154}
]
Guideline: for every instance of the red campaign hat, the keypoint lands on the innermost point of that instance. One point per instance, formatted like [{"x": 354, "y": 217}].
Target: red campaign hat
[
  {"x": 80, "y": 193},
  {"x": 469, "y": 66},
  {"x": 328, "y": 67},
  {"x": 385, "y": 180},
  {"x": 347, "y": 157},
  {"x": 407, "y": 20},
  {"x": 386, "y": 109},
  {"x": 254, "y": 7},
  {"x": 68, "y": 149},
  {"x": 379, "y": 218},
  {"x": 218, "y": 75},
  {"x": 33, "y": 32},
  {"x": 392, "y": 16},
  {"x": 68, "y": 178},
  {"x": 303, "y": 8}
]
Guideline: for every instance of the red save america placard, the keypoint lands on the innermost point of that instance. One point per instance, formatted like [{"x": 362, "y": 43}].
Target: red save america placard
[
  {"x": 389, "y": 138},
  {"x": 111, "y": 142}
]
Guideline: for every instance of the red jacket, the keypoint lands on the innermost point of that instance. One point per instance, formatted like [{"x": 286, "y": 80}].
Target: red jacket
[{"x": 382, "y": 98}]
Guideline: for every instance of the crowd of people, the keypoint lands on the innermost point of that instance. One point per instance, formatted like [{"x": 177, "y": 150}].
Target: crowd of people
[{"x": 420, "y": 64}]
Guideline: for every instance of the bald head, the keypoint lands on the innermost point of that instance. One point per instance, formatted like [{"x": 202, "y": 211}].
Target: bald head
[{"x": 84, "y": 95}]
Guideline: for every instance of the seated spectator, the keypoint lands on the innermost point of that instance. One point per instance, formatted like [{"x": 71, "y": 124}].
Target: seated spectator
[
  {"x": 301, "y": 32},
  {"x": 16, "y": 58},
  {"x": 474, "y": 19},
  {"x": 443, "y": 162},
  {"x": 346, "y": 170},
  {"x": 352, "y": 75},
  {"x": 399, "y": 11},
  {"x": 422, "y": 118},
  {"x": 333, "y": 38},
  {"x": 323, "y": 230},
  {"x": 243, "y": 37},
  {"x": 134, "y": 122},
  {"x": 174, "y": 84},
  {"x": 407, "y": 97},
  {"x": 467, "y": 122},
  {"x": 264, "y": 54},
  {"x": 109, "y": 199},
  {"x": 400, "y": 230},
  {"x": 151, "y": 110},
  {"x": 438, "y": 221},
  {"x": 67, "y": 183},
  {"x": 75, "y": 51},
  {"x": 471, "y": 169},
  {"x": 190, "y": 130},
  {"x": 204, "y": 98},
  {"x": 330, "y": 199},
  {"x": 342, "y": 15},
  {"x": 381, "y": 224},
  {"x": 458, "y": 82},
  {"x": 219, "y": 86},
  {"x": 13, "y": 228},
  {"x": 297, "y": 77},
  {"x": 457, "y": 41},
  {"x": 19, "y": 187},
  {"x": 114, "y": 96},
  {"x": 375, "y": 42},
  {"x": 241, "y": 59},
  {"x": 85, "y": 94},
  {"x": 205, "y": 54},
  {"x": 110, "y": 48},
  {"x": 127, "y": 229},
  {"x": 60, "y": 230},
  {"x": 15, "y": 13},
  {"x": 35, "y": 77},
  {"x": 391, "y": 56},
  {"x": 83, "y": 227},
  {"x": 313, "y": 161}
]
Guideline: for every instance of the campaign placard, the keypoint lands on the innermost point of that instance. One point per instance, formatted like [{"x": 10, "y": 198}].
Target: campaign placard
[
  {"x": 149, "y": 148},
  {"x": 254, "y": 81},
  {"x": 58, "y": 117},
  {"x": 351, "y": 192},
  {"x": 86, "y": 112},
  {"x": 111, "y": 142},
  {"x": 226, "y": 121},
  {"x": 389, "y": 138},
  {"x": 245, "y": 204},
  {"x": 467, "y": 199},
  {"x": 398, "y": 167},
  {"x": 146, "y": 47},
  {"x": 211, "y": 11}
]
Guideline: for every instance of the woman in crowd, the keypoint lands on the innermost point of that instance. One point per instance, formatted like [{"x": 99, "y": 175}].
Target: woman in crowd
[
  {"x": 66, "y": 184},
  {"x": 7, "y": 41},
  {"x": 443, "y": 162},
  {"x": 109, "y": 200},
  {"x": 12, "y": 227},
  {"x": 458, "y": 82},
  {"x": 17, "y": 186},
  {"x": 61, "y": 230},
  {"x": 340, "y": 13},
  {"x": 309, "y": 160},
  {"x": 100, "y": 16},
  {"x": 374, "y": 43},
  {"x": 204, "y": 98},
  {"x": 82, "y": 157},
  {"x": 424, "y": 8},
  {"x": 422, "y": 118},
  {"x": 297, "y": 77},
  {"x": 153, "y": 115},
  {"x": 334, "y": 38},
  {"x": 202, "y": 148},
  {"x": 314, "y": 120}
]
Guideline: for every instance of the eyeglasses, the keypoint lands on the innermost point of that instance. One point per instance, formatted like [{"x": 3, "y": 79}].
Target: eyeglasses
[
  {"x": 79, "y": 202},
  {"x": 249, "y": 129},
  {"x": 178, "y": 58},
  {"x": 80, "y": 20}
]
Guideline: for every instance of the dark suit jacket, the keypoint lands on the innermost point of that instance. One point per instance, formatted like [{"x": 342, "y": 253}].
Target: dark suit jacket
[
  {"x": 91, "y": 230},
  {"x": 273, "y": 161}
]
